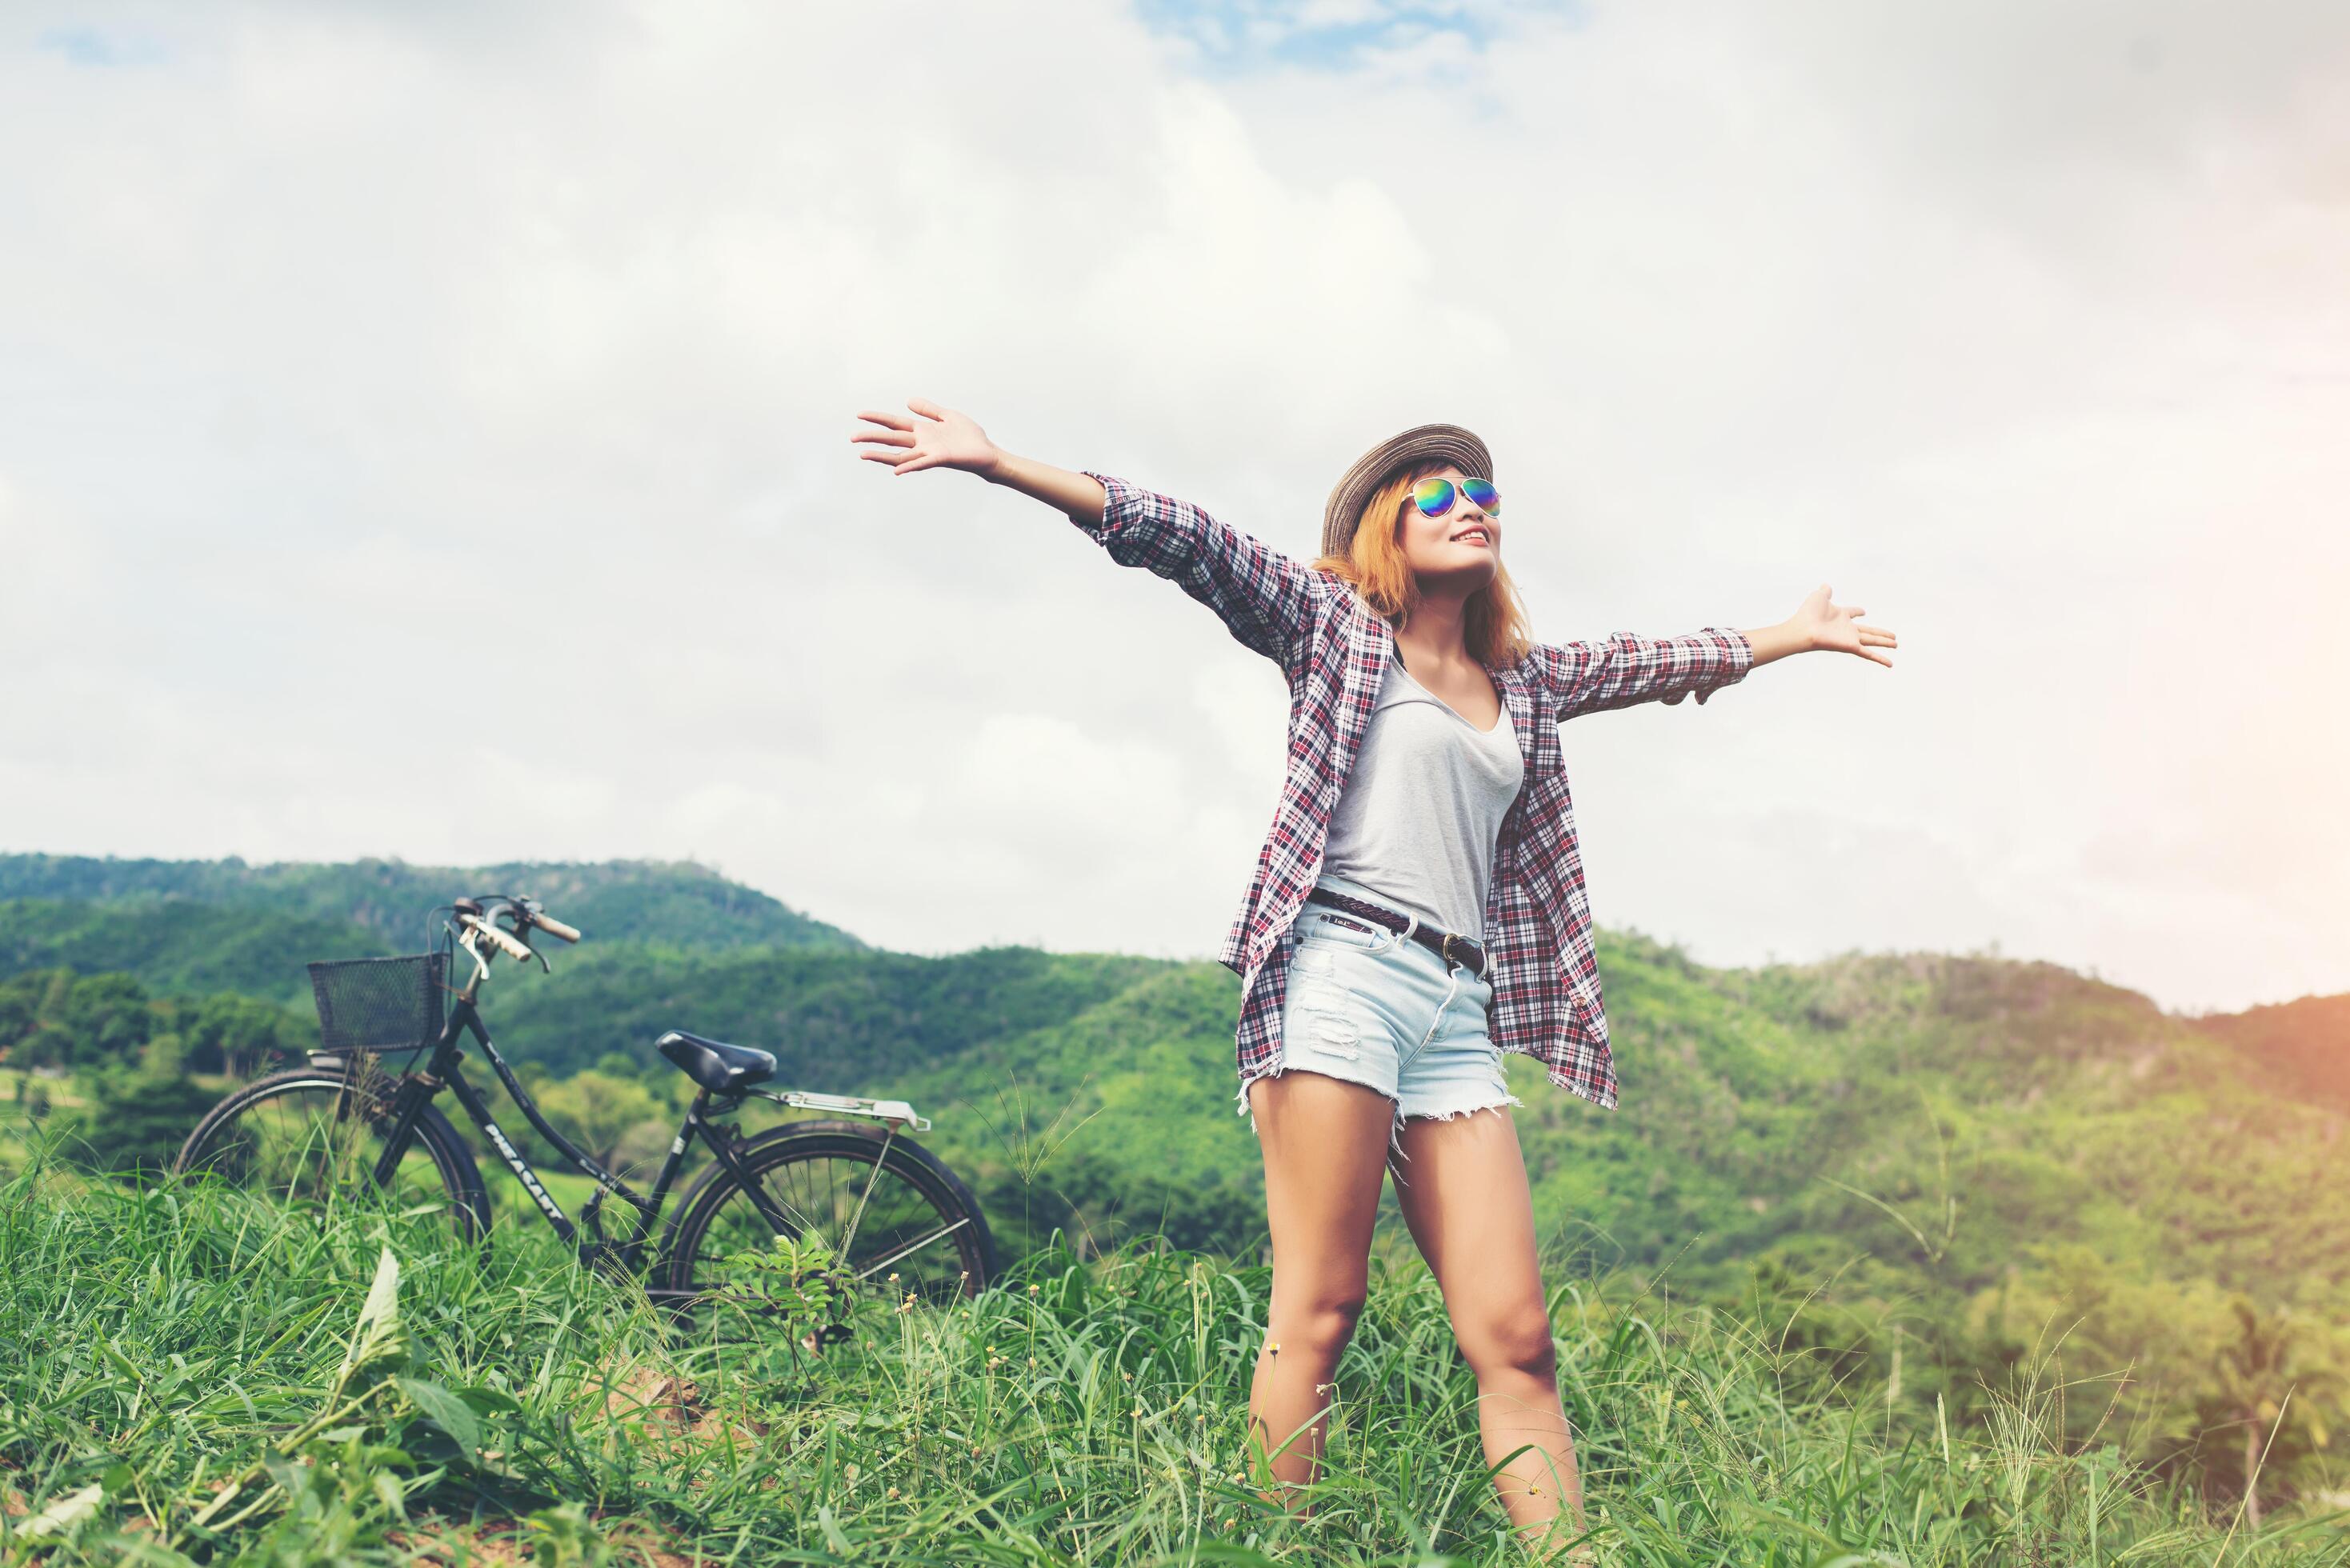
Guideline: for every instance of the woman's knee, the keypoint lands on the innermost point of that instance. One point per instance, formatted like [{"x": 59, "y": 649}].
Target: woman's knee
[
  {"x": 1325, "y": 1324},
  {"x": 1515, "y": 1340}
]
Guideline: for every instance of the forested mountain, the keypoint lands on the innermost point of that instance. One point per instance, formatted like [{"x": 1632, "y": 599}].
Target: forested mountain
[
  {"x": 179, "y": 947},
  {"x": 2306, "y": 1043},
  {"x": 677, "y": 903}
]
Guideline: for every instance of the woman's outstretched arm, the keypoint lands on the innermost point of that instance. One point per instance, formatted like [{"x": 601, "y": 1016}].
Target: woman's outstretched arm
[
  {"x": 1264, "y": 598},
  {"x": 1624, "y": 669}
]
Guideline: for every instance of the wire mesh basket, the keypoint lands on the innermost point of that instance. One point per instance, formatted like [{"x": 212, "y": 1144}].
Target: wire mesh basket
[{"x": 384, "y": 1004}]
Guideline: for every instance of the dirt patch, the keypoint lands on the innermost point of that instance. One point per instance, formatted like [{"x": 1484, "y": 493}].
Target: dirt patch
[
  {"x": 653, "y": 1405},
  {"x": 638, "y": 1394},
  {"x": 508, "y": 1543}
]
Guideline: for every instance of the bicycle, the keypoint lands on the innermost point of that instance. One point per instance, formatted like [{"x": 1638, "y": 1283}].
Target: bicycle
[{"x": 319, "y": 1131}]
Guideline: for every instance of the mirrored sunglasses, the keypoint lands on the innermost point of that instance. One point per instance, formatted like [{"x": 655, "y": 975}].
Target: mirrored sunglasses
[{"x": 1434, "y": 497}]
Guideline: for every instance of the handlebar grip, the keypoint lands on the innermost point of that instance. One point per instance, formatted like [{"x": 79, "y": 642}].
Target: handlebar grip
[
  {"x": 509, "y": 945},
  {"x": 555, "y": 928}
]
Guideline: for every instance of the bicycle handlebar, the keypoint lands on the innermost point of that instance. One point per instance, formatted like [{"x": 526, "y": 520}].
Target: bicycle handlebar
[
  {"x": 511, "y": 946},
  {"x": 555, "y": 928}
]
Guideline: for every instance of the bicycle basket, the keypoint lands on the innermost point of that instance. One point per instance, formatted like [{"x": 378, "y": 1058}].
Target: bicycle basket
[{"x": 380, "y": 1005}]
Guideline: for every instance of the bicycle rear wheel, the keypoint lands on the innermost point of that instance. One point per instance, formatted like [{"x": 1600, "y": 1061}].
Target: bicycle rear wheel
[
  {"x": 312, "y": 1136},
  {"x": 900, "y": 1222}
]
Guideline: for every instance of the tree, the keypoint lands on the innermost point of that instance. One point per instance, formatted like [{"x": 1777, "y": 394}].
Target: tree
[
  {"x": 596, "y": 1110},
  {"x": 134, "y": 1121},
  {"x": 2277, "y": 1380},
  {"x": 55, "y": 1018},
  {"x": 2150, "y": 1344},
  {"x": 241, "y": 1035},
  {"x": 108, "y": 1016}
]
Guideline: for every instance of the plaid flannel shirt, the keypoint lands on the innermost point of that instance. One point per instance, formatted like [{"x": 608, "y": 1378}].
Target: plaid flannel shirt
[{"x": 1334, "y": 650}]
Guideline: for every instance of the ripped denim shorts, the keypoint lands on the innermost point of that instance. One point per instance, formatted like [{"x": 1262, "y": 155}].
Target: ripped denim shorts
[{"x": 1374, "y": 1008}]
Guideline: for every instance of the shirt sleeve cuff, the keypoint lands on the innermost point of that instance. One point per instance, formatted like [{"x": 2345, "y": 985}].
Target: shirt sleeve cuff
[
  {"x": 1117, "y": 509},
  {"x": 1741, "y": 652}
]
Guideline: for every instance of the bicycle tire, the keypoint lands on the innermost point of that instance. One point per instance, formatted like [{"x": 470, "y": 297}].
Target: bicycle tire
[
  {"x": 717, "y": 1214},
  {"x": 289, "y": 1118}
]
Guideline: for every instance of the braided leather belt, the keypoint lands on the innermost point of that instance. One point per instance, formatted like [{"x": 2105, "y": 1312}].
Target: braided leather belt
[{"x": 1451, "y": 949}]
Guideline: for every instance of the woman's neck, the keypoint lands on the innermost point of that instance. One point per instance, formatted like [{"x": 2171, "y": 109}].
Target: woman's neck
[{"x": 1435, "y": 631}]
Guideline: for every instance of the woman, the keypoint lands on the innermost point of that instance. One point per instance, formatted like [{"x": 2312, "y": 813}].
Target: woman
[{"x": 1421, "y": 884}]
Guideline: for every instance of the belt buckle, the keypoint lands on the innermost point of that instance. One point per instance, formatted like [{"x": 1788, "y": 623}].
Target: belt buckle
[{"x": 1448, "y": 939}]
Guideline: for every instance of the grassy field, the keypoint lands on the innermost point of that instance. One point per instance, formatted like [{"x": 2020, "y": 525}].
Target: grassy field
[{"x": 182, "y": 1384}]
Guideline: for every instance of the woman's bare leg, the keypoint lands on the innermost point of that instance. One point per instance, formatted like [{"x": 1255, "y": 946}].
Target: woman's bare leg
[
  {"x": 1325, "y": 1143},
  {"x": 1463, "y": 1191}
]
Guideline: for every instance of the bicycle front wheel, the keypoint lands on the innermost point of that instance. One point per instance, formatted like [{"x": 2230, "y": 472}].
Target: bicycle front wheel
[
  {"x": 312, "y": 1136},
  {"x": 899, "y": 1222}
]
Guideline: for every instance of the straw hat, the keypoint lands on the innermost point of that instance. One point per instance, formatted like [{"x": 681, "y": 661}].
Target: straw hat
[{"x": 1422, "y": 444}]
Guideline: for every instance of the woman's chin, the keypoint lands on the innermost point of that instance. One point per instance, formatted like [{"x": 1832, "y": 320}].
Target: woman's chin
[{"x": 1461, "y": 578}]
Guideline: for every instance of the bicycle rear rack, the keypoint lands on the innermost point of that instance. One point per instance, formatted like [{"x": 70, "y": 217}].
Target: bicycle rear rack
[{"x": 849, "y": 1104}]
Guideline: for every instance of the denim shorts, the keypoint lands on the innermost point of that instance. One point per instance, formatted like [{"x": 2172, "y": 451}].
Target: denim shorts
[{"x": 1369, "y": 1006}]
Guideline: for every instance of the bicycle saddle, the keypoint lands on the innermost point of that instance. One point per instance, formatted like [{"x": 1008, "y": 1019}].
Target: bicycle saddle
[{"x": 720, "y": 1068}]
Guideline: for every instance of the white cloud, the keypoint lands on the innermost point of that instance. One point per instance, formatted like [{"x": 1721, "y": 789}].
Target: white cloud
[{"x": 429, "y": 436}]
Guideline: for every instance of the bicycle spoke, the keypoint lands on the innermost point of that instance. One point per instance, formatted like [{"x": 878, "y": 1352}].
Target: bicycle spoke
[
  {"x": 871, "y": 1270},
  {"x": 849, "y": 1240},
  {"x": 791, "y": 1212}
]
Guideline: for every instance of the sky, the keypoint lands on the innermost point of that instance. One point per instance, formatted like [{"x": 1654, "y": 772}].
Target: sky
[{"x": 425, "y": 431}]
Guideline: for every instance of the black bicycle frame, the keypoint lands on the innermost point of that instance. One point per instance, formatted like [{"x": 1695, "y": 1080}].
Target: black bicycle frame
[{"x": 418, "y": 1089}]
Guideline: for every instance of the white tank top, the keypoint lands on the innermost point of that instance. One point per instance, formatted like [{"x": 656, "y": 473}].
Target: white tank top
[{"x": 1416, "y": 822}]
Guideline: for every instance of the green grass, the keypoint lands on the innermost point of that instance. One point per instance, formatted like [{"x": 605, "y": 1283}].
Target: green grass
[{"x": 161, "y": 1339}]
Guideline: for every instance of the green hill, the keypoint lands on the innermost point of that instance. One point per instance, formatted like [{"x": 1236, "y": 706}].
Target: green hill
[
  {"x": 180, "y": 947},
  {"x": 2304, "y": 1043},
  {"x": 844, "y": 1023},
  {"x": 679, "y": 903}
]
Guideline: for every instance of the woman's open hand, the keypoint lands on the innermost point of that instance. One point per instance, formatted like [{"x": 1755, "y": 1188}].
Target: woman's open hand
[
  {"x": 1818, "y": 624},
  {"x": 935, "y": 438},
  {"x": 1837, "y": 628}
]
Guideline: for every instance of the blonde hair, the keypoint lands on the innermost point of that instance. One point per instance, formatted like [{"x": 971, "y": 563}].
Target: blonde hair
[{"x": 1493, "y": 622}]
